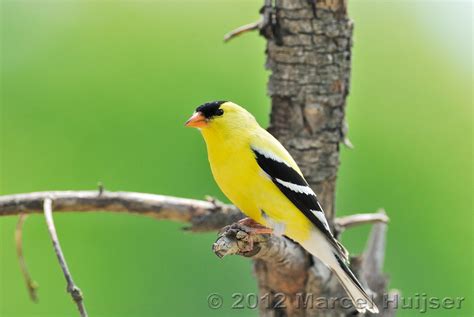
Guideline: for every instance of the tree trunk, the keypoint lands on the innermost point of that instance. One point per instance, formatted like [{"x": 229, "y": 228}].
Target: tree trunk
[{"x": 309, "y": 56}]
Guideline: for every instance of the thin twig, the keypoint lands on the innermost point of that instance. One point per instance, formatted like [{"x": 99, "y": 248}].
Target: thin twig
[
  {"x": 31, "y": 285},
  {"x": 100, "y": 185},
  {"x": 343, "y": 223},
  {"x": 71, "y": 286},
  {"x": 243, "y": 29}
]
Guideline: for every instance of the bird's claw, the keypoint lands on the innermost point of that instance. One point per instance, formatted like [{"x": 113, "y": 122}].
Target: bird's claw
[{"x": 240, "y": 238}]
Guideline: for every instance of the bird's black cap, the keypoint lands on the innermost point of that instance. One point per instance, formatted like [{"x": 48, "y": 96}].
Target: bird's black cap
[{"x": 210, "y": 109}]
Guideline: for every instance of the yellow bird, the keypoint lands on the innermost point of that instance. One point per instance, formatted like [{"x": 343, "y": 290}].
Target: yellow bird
[{"x": 261, "y": 178}]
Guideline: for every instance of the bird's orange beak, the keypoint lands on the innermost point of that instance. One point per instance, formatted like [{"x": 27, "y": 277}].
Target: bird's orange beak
[{"x": 197, "y": 120}]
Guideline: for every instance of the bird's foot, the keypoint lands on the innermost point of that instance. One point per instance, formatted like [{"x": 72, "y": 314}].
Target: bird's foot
[
  {"x": 240, "y": 238},
  {"x": 253, "y": 227},
  {"x": 249, "y": 230}
]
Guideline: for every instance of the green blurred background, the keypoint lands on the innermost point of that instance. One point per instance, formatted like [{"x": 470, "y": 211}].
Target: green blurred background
[{"x": 99, "y": 90}]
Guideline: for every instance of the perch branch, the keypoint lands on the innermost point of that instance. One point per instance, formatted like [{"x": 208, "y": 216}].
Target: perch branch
[
  {"x": 31, "y": 285},
  {"x": 271, "y": 252},
  {"x": 287, "y": 261},
  {"x": 235, "y": 239},
  {"x": 71, "y": 286},
  {"x": 202, "y": 215},
  {"x": 207, "y": 215}
]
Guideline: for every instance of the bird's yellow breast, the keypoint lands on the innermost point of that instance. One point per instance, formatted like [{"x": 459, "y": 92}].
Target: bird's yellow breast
[{"x": 239, "y": 176}]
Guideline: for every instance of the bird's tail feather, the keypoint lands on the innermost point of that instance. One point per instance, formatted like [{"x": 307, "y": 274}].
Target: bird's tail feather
[
  {"x": 353, "y": 288},
  {"x": 322, "y": 249}
]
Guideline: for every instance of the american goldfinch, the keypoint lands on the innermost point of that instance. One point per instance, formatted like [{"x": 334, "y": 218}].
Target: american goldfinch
[{"x": 261, "y": 178}]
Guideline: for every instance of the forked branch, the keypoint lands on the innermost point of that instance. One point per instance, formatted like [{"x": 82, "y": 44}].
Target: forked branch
[
  {"x": 202, "y": 215},
  {"x": 210, "y": 215},
  {"x": 277, "y": 253},
  {"x": 72, "y": 288}
]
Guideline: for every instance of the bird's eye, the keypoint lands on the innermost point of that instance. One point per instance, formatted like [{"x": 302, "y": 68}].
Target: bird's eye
[{"x": 219, "y": 112}]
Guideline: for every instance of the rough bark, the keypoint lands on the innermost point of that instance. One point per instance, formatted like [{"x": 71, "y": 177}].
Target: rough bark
[{"x": 309, "y": 55}]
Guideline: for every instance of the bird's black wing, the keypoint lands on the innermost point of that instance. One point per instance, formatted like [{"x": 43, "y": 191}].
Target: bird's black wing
[{"x": 297, "y": 190}]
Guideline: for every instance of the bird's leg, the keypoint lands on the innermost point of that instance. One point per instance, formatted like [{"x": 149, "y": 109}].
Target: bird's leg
[
  {"x": 240, "y": 238},
  {"x": 253, "y": 227},
  {"x": 250, "y": 229}
]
